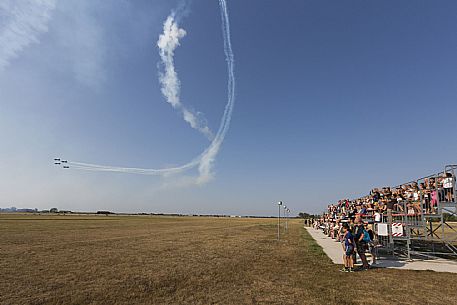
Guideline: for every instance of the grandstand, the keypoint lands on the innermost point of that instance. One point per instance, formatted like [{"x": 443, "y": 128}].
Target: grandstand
[{"x": 413, "y": 219}]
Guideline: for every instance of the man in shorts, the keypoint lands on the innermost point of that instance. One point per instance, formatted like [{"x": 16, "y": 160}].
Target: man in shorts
[{"x": 360, "y": 244}]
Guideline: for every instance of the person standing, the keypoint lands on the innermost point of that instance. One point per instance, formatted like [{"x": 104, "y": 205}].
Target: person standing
[
  {"x": 448, "y": 184},
  {"x": 348, "y": 249},
  {"x": 352, "y": 228},
  {"x": 360, "y": 244},
  {"x": 370, "y": 243}
]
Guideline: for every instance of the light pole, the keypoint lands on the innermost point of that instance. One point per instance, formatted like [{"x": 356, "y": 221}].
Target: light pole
[
  {"x": 285, "y": 217},
  {"x": 279, "y": 218}
]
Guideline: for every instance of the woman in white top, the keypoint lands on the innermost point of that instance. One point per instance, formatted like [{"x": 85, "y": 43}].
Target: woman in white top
[
  {"x": 377, "y": 216},
  {"x": 448, "y": 185}
]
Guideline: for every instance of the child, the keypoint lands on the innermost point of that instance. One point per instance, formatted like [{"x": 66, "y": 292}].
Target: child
[{"x": 348, "y": 248}]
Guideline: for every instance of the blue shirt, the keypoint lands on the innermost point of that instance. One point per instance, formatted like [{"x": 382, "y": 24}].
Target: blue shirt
[{"x": 348, "y": 237}]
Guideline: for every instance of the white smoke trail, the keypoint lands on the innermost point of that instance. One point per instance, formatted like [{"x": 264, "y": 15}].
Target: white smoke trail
[
  {"x": 171, "y": 86},
  {"x": 21, "y": 22},
  {"x": 209, "y": 156},
  {"x": 205, "y": 161}
]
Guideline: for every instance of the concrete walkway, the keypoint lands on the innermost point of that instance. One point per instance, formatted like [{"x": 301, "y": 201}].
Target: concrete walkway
[{"x": 334, "y": 251}]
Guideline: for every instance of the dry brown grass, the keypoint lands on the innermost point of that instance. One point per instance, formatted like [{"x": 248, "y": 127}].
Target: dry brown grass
[{"x": 185, "y": 260}]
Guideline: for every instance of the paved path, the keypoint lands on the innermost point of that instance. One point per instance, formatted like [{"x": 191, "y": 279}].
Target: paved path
[{"x": 334, "y": 252}]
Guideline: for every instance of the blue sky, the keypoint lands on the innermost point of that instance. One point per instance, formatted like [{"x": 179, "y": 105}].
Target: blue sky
[{"x": 332, "y": 98}]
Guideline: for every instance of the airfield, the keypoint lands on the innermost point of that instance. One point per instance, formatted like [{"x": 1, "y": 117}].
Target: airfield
[{"x": 102, "y": 259}]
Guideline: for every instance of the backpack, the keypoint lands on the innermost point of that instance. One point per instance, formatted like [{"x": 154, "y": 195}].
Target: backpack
[{"x": 366, "y": 236}]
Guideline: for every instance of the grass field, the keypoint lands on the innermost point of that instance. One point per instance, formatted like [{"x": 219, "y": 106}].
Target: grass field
[{"x": 189, "y": 260}]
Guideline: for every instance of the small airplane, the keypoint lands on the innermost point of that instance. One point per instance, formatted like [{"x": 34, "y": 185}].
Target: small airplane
[
  {"x": 64, "y": 161},
  {"x": 66, "y": 166},
  {"x": 57, "y": 163},
  {"x": 56, "y": 159}
]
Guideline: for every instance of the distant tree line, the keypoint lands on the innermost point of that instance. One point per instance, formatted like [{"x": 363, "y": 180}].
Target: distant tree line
[{"x": 307, "y": 215}]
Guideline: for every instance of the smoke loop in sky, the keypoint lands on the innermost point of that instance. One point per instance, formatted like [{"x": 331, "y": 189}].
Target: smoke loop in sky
[{"x": 167, "y": 43}]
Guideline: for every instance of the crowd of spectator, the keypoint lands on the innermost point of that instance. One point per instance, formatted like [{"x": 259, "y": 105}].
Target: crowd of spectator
[
  {"x": 412, "y": 198},
  {"x": 351, "y": 221}
]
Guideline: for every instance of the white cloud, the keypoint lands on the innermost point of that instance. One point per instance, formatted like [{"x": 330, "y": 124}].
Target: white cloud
[{"x": 23, "y": 22}]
